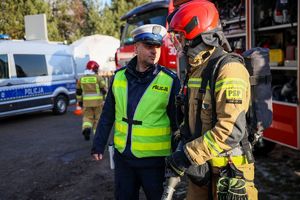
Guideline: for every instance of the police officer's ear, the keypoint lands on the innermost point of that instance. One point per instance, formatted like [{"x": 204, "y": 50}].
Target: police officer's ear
[{"x": 135, "y": 48}]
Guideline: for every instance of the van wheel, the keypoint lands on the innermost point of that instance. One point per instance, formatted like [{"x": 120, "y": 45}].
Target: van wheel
[
  {"x": 60, "y": 105},
  {"x": 263, "y": 147}
]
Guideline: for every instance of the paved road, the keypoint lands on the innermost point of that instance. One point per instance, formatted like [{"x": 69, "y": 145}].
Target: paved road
[{"x": 44, "y": 157}]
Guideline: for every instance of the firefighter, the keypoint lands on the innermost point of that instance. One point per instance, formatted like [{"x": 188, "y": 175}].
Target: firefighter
[
  {"x": 90, "y": 93},
  {"x": 141, "y": 104},
  {"x": 214, "y": 139}
]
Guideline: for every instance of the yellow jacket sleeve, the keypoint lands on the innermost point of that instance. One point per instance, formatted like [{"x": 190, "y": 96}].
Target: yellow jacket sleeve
[{"x": 101, "y": 82}]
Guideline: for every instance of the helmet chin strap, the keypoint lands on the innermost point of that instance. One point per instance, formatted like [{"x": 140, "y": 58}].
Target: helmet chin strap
[{"x": 199, "y": 54}]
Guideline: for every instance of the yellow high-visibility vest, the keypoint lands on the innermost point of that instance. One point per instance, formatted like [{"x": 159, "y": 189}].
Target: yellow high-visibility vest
[{"x": 151, "y": 132}]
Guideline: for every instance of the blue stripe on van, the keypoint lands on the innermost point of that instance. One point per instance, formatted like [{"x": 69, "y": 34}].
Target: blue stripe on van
[{"x": 34, "y": 91}]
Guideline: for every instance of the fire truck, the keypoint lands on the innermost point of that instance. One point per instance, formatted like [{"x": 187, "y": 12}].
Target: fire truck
[
  {"x": 273, "y": 24},
  {"x": 155, "y": 12}
]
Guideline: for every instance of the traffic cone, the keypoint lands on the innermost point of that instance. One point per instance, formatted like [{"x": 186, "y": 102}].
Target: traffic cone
[{"x": 78, "y": 110}]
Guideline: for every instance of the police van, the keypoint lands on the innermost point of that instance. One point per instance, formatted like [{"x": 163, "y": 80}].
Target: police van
[{"x": 36, "y": 76}]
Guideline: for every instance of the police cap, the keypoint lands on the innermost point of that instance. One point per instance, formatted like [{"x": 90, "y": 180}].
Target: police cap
[{"x": 151, "y": 34}]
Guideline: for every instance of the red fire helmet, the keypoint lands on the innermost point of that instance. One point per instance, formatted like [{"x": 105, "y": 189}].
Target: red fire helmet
[
  {"x": 92, "y": 65},
  {"x": 195, "y": 17}
]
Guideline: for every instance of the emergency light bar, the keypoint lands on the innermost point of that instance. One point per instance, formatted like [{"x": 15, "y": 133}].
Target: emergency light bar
[{"x": 4, "y": 37}]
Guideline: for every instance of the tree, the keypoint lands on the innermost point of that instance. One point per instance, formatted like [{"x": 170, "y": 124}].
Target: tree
[
  {"x": 13, "y": 12},
  {"x": 76, "y": 18},
  {"x": 66, "y": 19},
  {"x": 110, "y": 16},
  {"x": 92, "y": 18},
  {"x": 69, "y": 18}
]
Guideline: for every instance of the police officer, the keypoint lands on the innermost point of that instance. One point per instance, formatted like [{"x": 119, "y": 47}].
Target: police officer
[
  {"x": 90, "y": 92},
  {"x": 140, "y": 102},
  {"x": 197, "y": 36}
]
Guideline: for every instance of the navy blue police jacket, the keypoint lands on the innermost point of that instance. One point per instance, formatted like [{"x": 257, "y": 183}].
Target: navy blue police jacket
[{"x": 137, "y": 85}]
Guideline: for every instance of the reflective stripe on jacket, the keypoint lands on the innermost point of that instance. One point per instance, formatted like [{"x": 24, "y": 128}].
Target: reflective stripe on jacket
[{"x": 151, "y": 132}]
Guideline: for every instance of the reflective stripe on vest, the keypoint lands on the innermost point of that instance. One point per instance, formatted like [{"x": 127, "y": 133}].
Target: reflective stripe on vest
[
  {"x": 88, "y": 95},
  {"x": 151, "y": 136}
]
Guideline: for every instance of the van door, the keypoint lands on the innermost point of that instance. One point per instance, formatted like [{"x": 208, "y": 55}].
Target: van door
[
  {"x": 24, "y": 89},
  {"x": 5, "y": 85},
  {"x": 4, "y": 71}
]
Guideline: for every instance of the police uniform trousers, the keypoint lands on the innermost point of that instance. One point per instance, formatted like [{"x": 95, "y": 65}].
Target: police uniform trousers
[
  {"x": 91, "y": 117},
  {"x": 195, "y": 192},
  {"x": 129, "y": 179}
]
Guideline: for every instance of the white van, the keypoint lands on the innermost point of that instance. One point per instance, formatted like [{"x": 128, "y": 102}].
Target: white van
[{"x": 36, "y": 76}]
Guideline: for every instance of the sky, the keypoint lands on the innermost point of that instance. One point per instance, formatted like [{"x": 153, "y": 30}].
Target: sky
[{"x": 103, "y": 2}]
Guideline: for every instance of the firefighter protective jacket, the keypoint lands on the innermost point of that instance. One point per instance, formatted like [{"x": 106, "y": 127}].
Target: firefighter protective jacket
[
  {"x": 232, "y": 94},
  {"x": 88, "y": 90}
]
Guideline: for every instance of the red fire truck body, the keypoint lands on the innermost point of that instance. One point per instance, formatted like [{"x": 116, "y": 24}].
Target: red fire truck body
[{"x": 285, "y": 128}]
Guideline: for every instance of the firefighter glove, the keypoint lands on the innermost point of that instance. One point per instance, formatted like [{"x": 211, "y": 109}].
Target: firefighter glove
[
  {"x": 232, "y": 184},
  {"x": 231, "y": 189},
  {"x": 176, "y": 137},
  {"x": 185, "y": 133},
  {"x": 237, "y": 189},
  {"x": 179, "y": 100},
  {"x": 222, "y": 188},
  {"x": 177, "y": 163}
]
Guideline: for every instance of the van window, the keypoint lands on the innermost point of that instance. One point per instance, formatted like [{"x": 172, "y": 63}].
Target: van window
[
  {"x": 4, "y": 67},
  {"x": 152, "y": 17},
  {"x": 30, "y": 65},
  {"x": 60, "y": 65}
]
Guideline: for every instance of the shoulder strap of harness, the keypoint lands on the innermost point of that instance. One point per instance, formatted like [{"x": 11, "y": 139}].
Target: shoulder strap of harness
[{"x": 206, "y": 76}]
